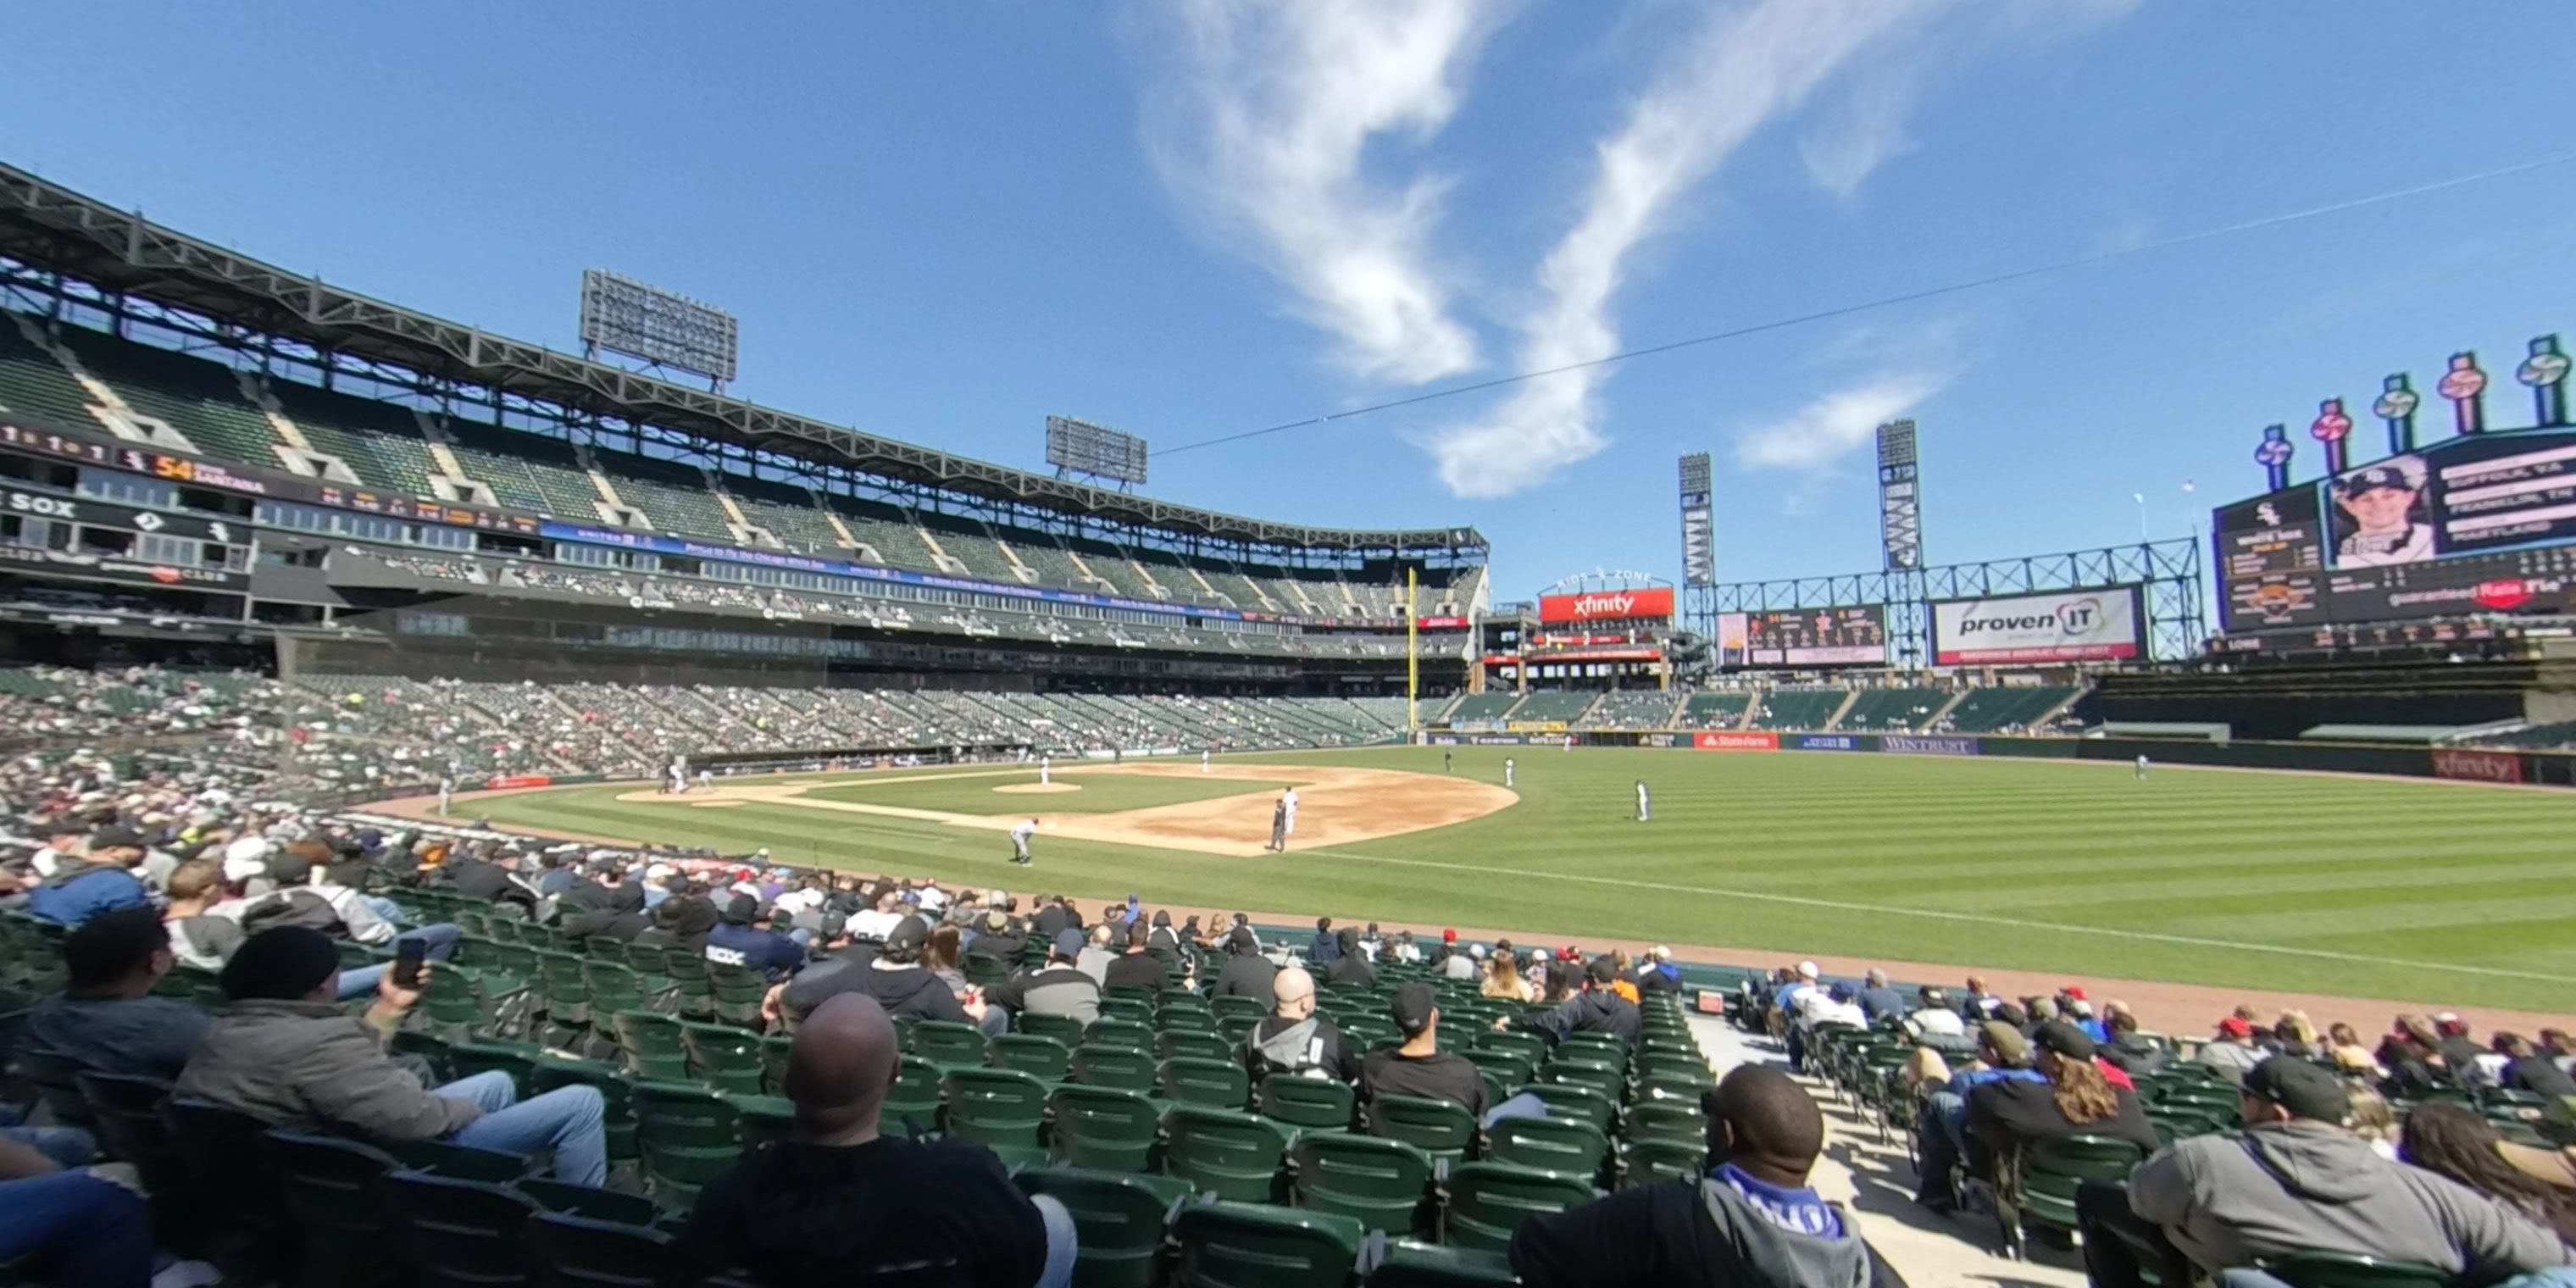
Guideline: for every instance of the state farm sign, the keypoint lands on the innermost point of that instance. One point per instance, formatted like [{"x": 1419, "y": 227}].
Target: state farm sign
[
  {"x": 1736, "y": 741},
  {"x": 1607, "y": 605}
]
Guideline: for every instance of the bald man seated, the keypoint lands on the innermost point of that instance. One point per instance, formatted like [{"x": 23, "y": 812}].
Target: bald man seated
[
  {"x": 1293, "y": 1039},
  {"x": 1749, "y": 1222},
  {"x": 837, "y": 1203}
]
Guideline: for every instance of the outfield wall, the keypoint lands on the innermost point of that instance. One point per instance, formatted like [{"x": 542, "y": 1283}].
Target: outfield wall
[{"x": 2472, "y": 764}]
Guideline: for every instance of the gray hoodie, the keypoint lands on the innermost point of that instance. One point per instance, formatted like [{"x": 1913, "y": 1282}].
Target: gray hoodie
[
  {"x": 1727, "y": 1230},
  {"x": 2308, "y": 1186}
]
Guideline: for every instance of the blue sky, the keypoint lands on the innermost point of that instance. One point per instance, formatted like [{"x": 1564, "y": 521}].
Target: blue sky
[{"x": 941, "y": 222}]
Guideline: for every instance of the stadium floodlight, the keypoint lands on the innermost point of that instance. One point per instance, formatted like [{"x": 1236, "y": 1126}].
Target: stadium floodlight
[
  {"x": 2545, "y": 372},
  {"x": 1081, "y": 447},
  {"x": 622, "y": 315},
  {"x": 2331, "y": 427},
  {"x": 2466, "y": 385},
  {"x": 2396, "y": 405},
  {"x": 1900, "y": 501},
  {"x": 1699, "y": 535}
]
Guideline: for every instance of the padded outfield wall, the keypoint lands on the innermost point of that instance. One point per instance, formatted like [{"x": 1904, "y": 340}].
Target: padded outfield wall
[{"x": 2470, "y": 764}]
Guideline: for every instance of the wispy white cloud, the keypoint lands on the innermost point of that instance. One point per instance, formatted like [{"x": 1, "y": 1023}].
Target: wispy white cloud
[
  {"x": 1266, "y": 132},
  {"x": 1867, "y": 129},
  {"x": 1820, "y": 434},
  {"x": 1746, "y": 66}
]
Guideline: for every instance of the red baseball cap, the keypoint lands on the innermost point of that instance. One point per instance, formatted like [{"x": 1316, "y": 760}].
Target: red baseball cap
[
  {"x": 2236, "y": 1027},
  {"x": 1449, "y": 936},
  {"x": 2075, "y": 991}
]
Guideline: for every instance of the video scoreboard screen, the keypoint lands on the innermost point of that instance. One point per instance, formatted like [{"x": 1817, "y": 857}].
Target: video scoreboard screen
[
  {"x": 2476, "y": 524},
  {"x": 1803, "y": 637}
]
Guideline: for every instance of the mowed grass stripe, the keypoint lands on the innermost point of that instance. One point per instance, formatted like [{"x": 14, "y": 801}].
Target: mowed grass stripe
[{"x": 2029, "y": 864}]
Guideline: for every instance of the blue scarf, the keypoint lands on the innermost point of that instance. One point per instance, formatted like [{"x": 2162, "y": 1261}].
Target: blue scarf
[{"x": 1799, "y": 1211}]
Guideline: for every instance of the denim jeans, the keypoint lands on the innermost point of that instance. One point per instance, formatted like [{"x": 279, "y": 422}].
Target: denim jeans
[
  {"x": 68, "y": 1147},
  {"x": 567, "y": 1120},
  {"x": 1520, "y": 1106},
  {"x": 358, "y": 981},
  {"x": 75, "y": 1229},
  {"x": 1062, "y": 1243},
  {"x": 1939, "y": 1138}
]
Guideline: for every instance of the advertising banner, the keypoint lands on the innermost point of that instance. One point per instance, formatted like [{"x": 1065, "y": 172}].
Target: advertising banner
[
  {"x": 2477, "y": 766},
  {"x": 1829, "y": 742},
  {"x": 507, "y": 782},
  {"x": 1736, "y": 741},
  {"x": 1927, "y": 745},
  {"x": 1851, "y": 635},
  {"x": 1607, "y": 605},
  {"x": 2061, "y": 626}
]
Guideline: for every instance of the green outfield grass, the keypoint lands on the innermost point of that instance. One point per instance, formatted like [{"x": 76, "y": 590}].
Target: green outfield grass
[
  {"x": 2362, "y": 887},
  {"x": 1100, "y": 794}
]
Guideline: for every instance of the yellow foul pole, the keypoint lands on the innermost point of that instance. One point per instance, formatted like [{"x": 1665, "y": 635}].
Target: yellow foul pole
[{"x": 1412, "y": 652}]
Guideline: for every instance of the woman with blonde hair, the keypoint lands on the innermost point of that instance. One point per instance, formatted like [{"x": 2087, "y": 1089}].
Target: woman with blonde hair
[
  {"x": 2373, "y": 1121},
  {"x": 2076, "y": 1099},
  {"x": 2344, "y": 1045},
  {"x": 1623, "y": 975},
  {"x": 1503, "y": 980},
  {"x": 2292, "y": 1034}
]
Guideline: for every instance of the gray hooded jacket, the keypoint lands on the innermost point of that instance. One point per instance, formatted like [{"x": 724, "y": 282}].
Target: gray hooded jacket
[
  {"x": 2306, "y": 1186},
  {"x": 1710, "y": 1234}
]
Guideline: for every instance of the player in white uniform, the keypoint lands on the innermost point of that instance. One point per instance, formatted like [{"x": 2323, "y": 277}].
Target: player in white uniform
[
  {"x": 1645, "y": 807},
  {"x": 1203, "y": 760},
  {"x": 1291, "y": 800},
  {"x": 2142, "y": 767},
  {"x": 706, "y": 780},
  {"x": 1507, "y": 771},
  {"x": 446, "y": 794},
  {"x": 1046, "y": 770},
  {"x": 1020, "y": 834}
]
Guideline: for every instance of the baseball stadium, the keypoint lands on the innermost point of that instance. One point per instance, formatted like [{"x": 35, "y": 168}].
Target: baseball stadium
[{"x": 383, "y": 575}]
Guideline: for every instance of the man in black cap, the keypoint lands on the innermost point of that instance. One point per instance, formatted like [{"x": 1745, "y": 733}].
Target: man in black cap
[
  {"x": 2075, "y": 1098},
  {"x": 1135, "y": 968},
  {"x": 998, "y": 936},
  {"x": 2380, "y": 522},
  {"x": 742, "y": 937},
  {"x": 1246, "y": 972},
  {"x": 1351, "y": 964},
  {"x": 838, "y": 1202},
  {"x": 894, "y": 979},
  {"x": 287, "y": 1054},
  {"x": 1751, "y": 1222},
  {"x": 1419, "y": 1067},
  {"x": 2297, "y": 1181},
  {"x": 1597, "y": 1009},
  {"x": 1057, "y": 988}
]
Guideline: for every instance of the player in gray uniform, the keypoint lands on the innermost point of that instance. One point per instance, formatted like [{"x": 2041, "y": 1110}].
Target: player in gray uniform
[
  {"x": 1278, "y": 827},
  {"x": 1020, "y": 834}
]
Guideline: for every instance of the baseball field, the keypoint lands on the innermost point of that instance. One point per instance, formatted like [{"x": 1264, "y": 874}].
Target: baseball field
[{"x": 2426, "y": 892}]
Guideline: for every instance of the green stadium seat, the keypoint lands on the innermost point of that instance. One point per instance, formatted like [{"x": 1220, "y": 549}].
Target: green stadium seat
[
  {"x": 1487, "y": 1201},
  {"x": 1045, "y": 1059},
  {"x": 1218, "y": 1084},
  {"x": 1241, "y": 1245},
  {"x": 1228, "y": 1153},
  {"x": 1118, "y": 1220},
  {"x": 1102, "y": 1128},
  {"x": 1319, "y": 1104},
  {"x": 1441, "y": 1128},
  {"x": 1384, "y": 1184},
  {"x": 1001, "y": 1109}
]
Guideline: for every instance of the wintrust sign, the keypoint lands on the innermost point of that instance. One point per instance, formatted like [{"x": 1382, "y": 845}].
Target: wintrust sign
[{"x": 1607, "y": 605}]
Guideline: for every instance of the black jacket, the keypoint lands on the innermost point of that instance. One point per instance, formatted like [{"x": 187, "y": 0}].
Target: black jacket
[
  {"x": 1246, "y": 975},
  {"x": 911, "y": 993},
  {"x": 1592, "y": 1011},
  {"x": 2013, "y": 1112}
]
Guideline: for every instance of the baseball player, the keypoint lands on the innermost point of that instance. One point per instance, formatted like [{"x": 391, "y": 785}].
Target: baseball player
[
  {"x": 706, "y": 780},
  {"x": 446, "y": 793},
  {"x": 1203, "y": 760},
  {"x": 1289, "y": 798},
  {"x": 1278, "y": 826},
  {"x": 1046, "y": 770},
  {"x": 1020, "y": 834},
  {"x": 1645, "y": 806},
  {"x": 1445, "y": 753},
  {"x": 2142, "y": 769},
  {"x": 2380, "y": 503},
  {"x": 1507, "y": 771}
]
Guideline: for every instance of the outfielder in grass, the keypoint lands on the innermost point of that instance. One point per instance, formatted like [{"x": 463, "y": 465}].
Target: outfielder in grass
[{"x": 1645, "y": 806}]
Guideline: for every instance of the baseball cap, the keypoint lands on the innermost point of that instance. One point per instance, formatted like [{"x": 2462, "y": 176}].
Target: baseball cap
[
  {"x": 2075, "y": 992},
  {"x": 1449, "y": 936},
  {"x": 2300, "y": 1087},
  {"x": 741, "y": 910},
  {"x": 1807, "y": 970},
  {"x": 114, "y": 835},
  {"x": 2064, "y": 1039},
  {"x": 996, "y": 919},
  {"x": 245, "y": 858},
  {"x": 2006, "y": 1040},
  {"x": 1068, "y": 943},
  {"x": 2378, "y": 476},
  {"x": 2234, "y": 1026},
  {"x": 1411, "y": 1007},
  {"x": 1841, "y": 991},
  {"x": 1601, "y": 971},
  {"x": 909, "y": 933}
]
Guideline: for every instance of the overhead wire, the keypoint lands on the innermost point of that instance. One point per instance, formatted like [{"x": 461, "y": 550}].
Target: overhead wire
[{"x": 1891, "y": 301}]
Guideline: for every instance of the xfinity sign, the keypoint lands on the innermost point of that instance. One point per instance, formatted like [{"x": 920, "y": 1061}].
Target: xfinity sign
[
  {"x": 2067, "y": 626},
  {"x": 1654, "y": 602}
]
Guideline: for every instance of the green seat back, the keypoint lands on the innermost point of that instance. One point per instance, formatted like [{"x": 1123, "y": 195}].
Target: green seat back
[
  {"x": 1122, "y": 1067},
  {"x": 1218, "y": 1084},
  {"x": 1102, "y": 1128},
  {"x": 942, "y": 1042},
  {"x": 1001, "y": 1108},
  {"x": 1381, "y": 1183},
  {"x": 1580, "y": 1103},
  {"x": 1566, "y": 1145},
  {"x": 1195, "y": 1045},
  {"x": 1042, "y": 1058},
  {"x": 1440, "y": 1127},
  {"x": 1320, "y": 1104},
  {"x": 1240, "y": 1245},
  {"x": 1118, "y": 1220},
  {"x": 1228, "y": 1153},
  {"x": 1487, "y": 1201},
  {"x": 1655, "y": 1158},
  {"x": 1063, "y": 1028}
]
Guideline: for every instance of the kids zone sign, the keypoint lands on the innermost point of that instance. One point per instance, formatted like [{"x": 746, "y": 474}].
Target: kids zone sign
[{"x": 1607, "y": 606}]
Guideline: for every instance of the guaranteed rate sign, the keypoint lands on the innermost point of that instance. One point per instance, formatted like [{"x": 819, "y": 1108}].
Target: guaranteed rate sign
[{"x": 1648, "y": 602}]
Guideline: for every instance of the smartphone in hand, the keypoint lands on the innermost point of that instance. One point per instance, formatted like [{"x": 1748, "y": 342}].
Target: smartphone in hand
[{"x": 408, "y": 955}]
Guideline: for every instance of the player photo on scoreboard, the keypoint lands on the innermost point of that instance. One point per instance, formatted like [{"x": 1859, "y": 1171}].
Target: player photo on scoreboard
[{"x": 2381, "y": 515}]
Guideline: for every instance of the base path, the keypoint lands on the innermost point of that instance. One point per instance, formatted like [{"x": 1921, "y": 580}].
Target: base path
[{"x": 1336, "y": 805}]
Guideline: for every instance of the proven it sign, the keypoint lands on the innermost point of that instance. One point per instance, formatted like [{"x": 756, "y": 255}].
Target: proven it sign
[
  {"x": 1607, "y": 605},
  {"x": 2066, "y": 626}
]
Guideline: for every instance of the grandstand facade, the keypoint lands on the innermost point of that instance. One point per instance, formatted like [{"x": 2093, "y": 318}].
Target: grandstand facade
[{"x": 202, "y": 451}]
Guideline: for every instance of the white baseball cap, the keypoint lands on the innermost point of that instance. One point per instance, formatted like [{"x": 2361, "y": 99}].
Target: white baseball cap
[
  {"x": 1807, "y": 970},
  {"x": 245, "y": 858}
]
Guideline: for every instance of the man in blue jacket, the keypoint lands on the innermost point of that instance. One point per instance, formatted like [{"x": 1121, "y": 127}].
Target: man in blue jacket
[{"x": 741, "y": 938}]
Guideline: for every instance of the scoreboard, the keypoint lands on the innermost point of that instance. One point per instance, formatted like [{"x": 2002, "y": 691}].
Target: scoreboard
[
  {"x": 2480, "y": 524},
  {"x": 1805, "y": 637}
]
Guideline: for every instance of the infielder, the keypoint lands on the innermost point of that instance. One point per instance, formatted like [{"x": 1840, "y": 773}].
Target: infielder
[
  {"x": 1289, "y": 798},
  {"x": 1046, "y": 770},
  {"x": 706, "y": 780},
  {"x": 1203, "y": 760},
  {"x": 1020, "y": 834},
  {"x": 1645, "y": 807},
  {"x": 1278, "y": 826},
  {"x": 446, "y": 793},
  {"x": 2142, "y": 768},
  {"x": 1444, "y": 759},
  {"x": 1507, "y": 771}
]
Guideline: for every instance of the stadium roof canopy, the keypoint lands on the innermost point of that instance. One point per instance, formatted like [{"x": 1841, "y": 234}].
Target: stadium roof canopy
[{"x": 51, "y": 227}]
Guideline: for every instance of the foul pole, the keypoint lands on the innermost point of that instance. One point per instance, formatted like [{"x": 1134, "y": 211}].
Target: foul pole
[{"x": 1412, "y": 653}]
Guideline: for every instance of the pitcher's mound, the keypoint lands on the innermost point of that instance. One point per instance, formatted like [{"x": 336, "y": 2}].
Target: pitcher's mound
[
  {"x": 1039, "y": 787},
  {"x": 713, "y": 804}
]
